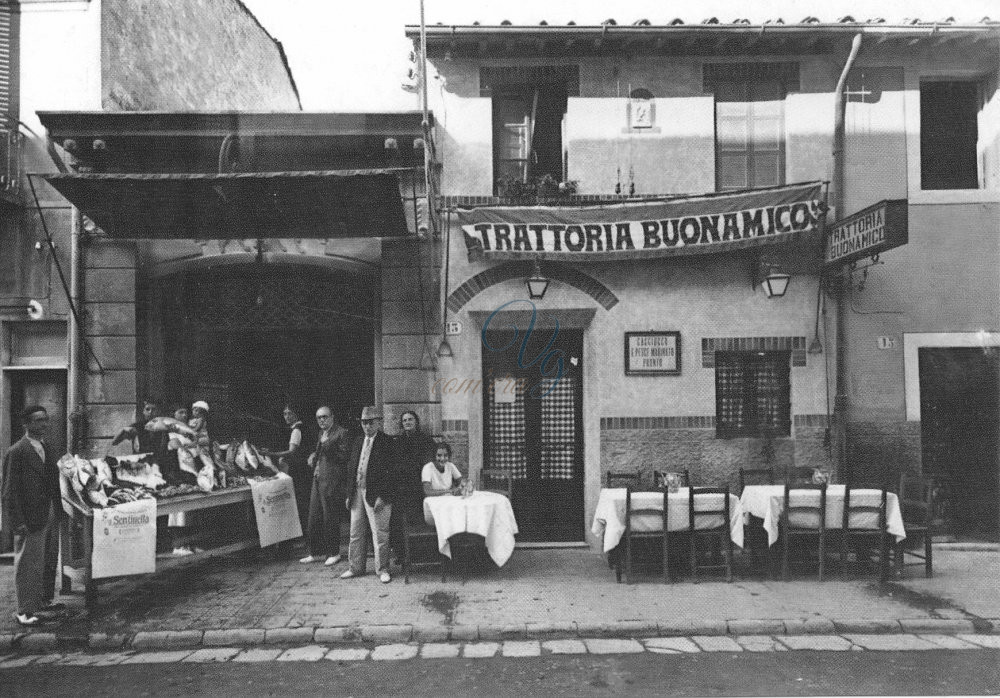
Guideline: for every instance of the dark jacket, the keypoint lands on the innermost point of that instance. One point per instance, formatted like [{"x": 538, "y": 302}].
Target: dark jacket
[
  {"x": 380, "y": 481},
  {"x": 413, "y": 452},
  {"x": 28, "y": 486},
  {"x": 331, "y": 458}
]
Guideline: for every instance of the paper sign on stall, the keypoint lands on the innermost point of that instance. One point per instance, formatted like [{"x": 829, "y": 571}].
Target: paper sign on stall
[
  {"x": 276, "y": 510},
  {"x": 124, "y": 539}
]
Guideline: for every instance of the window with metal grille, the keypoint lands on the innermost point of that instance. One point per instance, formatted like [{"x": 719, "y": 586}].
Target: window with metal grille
[
  {"x": 948, "y": 135},
  {"x": 752, "y": 393},
  {"x": 750, "y": 122}
]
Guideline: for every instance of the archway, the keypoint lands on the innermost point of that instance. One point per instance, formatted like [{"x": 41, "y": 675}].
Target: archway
[{"x": 248, "y": 337}]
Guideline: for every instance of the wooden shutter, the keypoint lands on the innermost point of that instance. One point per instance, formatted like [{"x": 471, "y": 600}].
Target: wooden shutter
[{"x": 7, "y": 62}]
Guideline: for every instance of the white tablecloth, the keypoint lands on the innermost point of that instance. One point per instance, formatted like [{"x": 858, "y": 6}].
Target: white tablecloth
[
  {"x": 767, "y": 501},
  {"x": 609, "y": 518},
  {"x": 487, "y": 514}
]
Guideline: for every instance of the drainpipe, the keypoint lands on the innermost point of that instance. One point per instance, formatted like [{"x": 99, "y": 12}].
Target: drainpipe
[
  {"x": 843, "y": 288},
  {"x": 74, "y": 411}
]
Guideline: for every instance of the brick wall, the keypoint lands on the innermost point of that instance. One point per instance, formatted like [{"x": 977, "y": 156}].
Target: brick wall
[{"x": 190, "y": 55}]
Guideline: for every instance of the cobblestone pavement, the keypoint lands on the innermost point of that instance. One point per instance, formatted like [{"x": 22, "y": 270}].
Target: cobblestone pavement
[
  {"x": 251, "y": 598},
  {"x": 517, "y": 648}
]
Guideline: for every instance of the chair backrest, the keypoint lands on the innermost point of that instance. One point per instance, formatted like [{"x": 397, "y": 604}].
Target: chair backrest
[
  {"x": 699, "y": 508},
  {"x": 916, "y": 499},
  {"x": 756, "y": 476},
  {"x": 622, "y": 478},
  {"x": 855, "y": 507},
  {"x": 647, "y": 509},
  {"x": 803, "y": 509},
  {"x": 497, "y": 480},
  {"x": 798, "y": 475},
  {"x": 660, "y": 477}
]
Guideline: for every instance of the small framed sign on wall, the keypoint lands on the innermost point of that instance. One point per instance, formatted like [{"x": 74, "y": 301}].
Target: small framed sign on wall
[{"x": 652, "y": 353}]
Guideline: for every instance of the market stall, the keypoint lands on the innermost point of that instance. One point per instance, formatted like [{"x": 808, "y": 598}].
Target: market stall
[{"x": 113, "y": 504}]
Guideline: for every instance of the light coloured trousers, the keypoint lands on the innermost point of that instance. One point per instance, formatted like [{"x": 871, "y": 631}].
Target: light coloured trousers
[
  {"x": 35, "y": 557},
  {"x": 367, "y": 519}
]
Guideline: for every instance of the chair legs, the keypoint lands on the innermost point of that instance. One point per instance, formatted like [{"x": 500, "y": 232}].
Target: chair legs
[{"x": 727, "y": 552}]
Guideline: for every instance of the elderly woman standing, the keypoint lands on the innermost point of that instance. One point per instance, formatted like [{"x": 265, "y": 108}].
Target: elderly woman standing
[{"x": 413, "y": 448}]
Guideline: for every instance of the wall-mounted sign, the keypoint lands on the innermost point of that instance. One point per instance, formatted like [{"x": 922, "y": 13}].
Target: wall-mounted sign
[
  {"x": 868, "y": 232},
  {"x": 652, "y": 353},
  {"x": 453, "y": 328},
  {"x": 885, "y": 342}
]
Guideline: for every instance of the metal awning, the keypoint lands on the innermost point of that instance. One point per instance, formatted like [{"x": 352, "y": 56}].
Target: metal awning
[{"x": 316, "y": 204}]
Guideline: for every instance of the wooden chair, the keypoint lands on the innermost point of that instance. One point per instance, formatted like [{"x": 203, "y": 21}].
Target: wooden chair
[
  {"x": 916, "y": 503},
  {"x": 422, "y": 533},
  {"x": 862, "y": 535},
  {"x": 623, "y": 478},
  {"x": 756, "y": 476},
  {"x": 718, "y": 533},
  {"x": 803, "y": 517},
  {"x": 660, "y": 477},
  {"x": 497, "y": 480},
  {"x": 799, "y": 476},
  {"x": 632, "y": 536}
]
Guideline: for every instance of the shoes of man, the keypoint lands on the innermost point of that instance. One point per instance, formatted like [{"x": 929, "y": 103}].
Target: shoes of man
[
  {"x": 332, "y": 560},
  {"x": 26, "y": 620},
  {"x": 348, "y": 574},
  {"x": 384, "y": 577},
  {"x": 309, "y": 558}
]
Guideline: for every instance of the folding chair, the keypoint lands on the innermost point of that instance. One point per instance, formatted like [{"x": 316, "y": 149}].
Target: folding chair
[
  {"x": 864, "y": 524},
  {"x": 803, "y": 517},
  {"x": 700, "y": 509},
  {"x": 916, "y": 503}
]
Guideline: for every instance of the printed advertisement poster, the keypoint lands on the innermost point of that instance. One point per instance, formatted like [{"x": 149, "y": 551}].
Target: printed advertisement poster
[
  {"x": 277, "y": 513},
  {"x": 124, "y": 539}
]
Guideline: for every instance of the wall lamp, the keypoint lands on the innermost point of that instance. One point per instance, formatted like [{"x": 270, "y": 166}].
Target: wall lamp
[
  {"x": 771, "y": 278},
  {"x": 537, "y": 284}
]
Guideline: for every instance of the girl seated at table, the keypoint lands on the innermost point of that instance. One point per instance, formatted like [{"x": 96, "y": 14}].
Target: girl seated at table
[{"x": 441, "y": 476}]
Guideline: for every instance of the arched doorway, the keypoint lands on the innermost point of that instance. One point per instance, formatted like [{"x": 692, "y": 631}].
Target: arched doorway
[{"x": 248, "y": 337}]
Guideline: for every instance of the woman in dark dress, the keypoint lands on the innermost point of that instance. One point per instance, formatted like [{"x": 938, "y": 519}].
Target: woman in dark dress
[{"x": 414, "y": 449}]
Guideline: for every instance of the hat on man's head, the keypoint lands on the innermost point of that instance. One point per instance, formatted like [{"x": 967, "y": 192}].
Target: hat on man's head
[
  {"x": 200, "y": 405},
  {"x": 371, "y": 412}
]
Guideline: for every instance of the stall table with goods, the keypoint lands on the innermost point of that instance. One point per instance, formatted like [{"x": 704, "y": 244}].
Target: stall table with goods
[{"x": 113, "y": 504}]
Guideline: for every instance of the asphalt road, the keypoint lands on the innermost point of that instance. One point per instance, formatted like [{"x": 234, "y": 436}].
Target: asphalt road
[{"x": 963, "y": 672}]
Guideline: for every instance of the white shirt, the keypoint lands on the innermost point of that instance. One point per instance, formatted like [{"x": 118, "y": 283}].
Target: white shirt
[
  {"x": 39, "y": 448},
  {"x": 439, "y": 480},
  {"x": 366, "y": 451}
]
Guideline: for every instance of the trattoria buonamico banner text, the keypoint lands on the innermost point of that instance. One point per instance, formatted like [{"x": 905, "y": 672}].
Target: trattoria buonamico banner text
[{"x": 633, "y": 229}]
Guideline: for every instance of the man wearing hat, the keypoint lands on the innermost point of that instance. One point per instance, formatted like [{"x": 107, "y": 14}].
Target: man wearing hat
[
  {"x": 30, "y": 505},
  {"x": 370, "y": 495}
]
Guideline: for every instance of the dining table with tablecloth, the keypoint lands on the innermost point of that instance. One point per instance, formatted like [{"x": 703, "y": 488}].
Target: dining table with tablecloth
[
  {"x": 486, "y": 514},
  {"x": 609, "y": 516},
  {"x": 766, "y": 502}
]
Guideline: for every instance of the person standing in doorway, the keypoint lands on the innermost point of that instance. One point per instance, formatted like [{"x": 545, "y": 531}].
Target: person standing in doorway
[
  {"x": 30, "y": 503},
  {"x": 372, "y": 490},
  {"x": 326, "y": 503}
]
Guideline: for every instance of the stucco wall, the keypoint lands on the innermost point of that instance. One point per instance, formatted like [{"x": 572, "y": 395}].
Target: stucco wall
[{"x": 190, "y": 54}]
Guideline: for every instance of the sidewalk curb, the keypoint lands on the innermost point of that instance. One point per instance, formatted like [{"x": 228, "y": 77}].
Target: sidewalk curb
[{"x": 41, "y": 642}]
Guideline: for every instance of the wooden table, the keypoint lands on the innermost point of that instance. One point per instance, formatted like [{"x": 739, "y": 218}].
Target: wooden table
[
  {"x": 767, "y": 501},
  {"x": 609, "y": 517},
  {"x": 486, "y": 514},
  {"x": 76, "y": 532}
]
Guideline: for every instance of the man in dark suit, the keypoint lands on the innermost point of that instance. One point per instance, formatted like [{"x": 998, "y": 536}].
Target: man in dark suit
[
  {"x": 371, "y": 491},
  {"x": 30, "y": 503}
]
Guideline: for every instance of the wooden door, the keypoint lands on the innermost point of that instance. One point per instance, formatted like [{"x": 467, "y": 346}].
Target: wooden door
[{"x": 533, "y": 427}]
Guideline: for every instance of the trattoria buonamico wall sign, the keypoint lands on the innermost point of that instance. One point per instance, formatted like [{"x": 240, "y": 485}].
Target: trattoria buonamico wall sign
[
  {"x": 635, "y": 229},
  {"x": 868, "y": 232}
]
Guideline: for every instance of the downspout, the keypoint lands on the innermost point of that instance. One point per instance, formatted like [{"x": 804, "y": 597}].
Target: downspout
[
  {"x": 840, "y": 400},
  {"x": 74, "y": 411}
]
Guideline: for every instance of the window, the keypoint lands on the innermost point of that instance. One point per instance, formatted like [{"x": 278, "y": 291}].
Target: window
[
  {"x": 750, "y": 122},
  {"x": 948, "y": 135},
  {"x": 752, "y": 392},
  {"x": 529, "y": 108}
]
